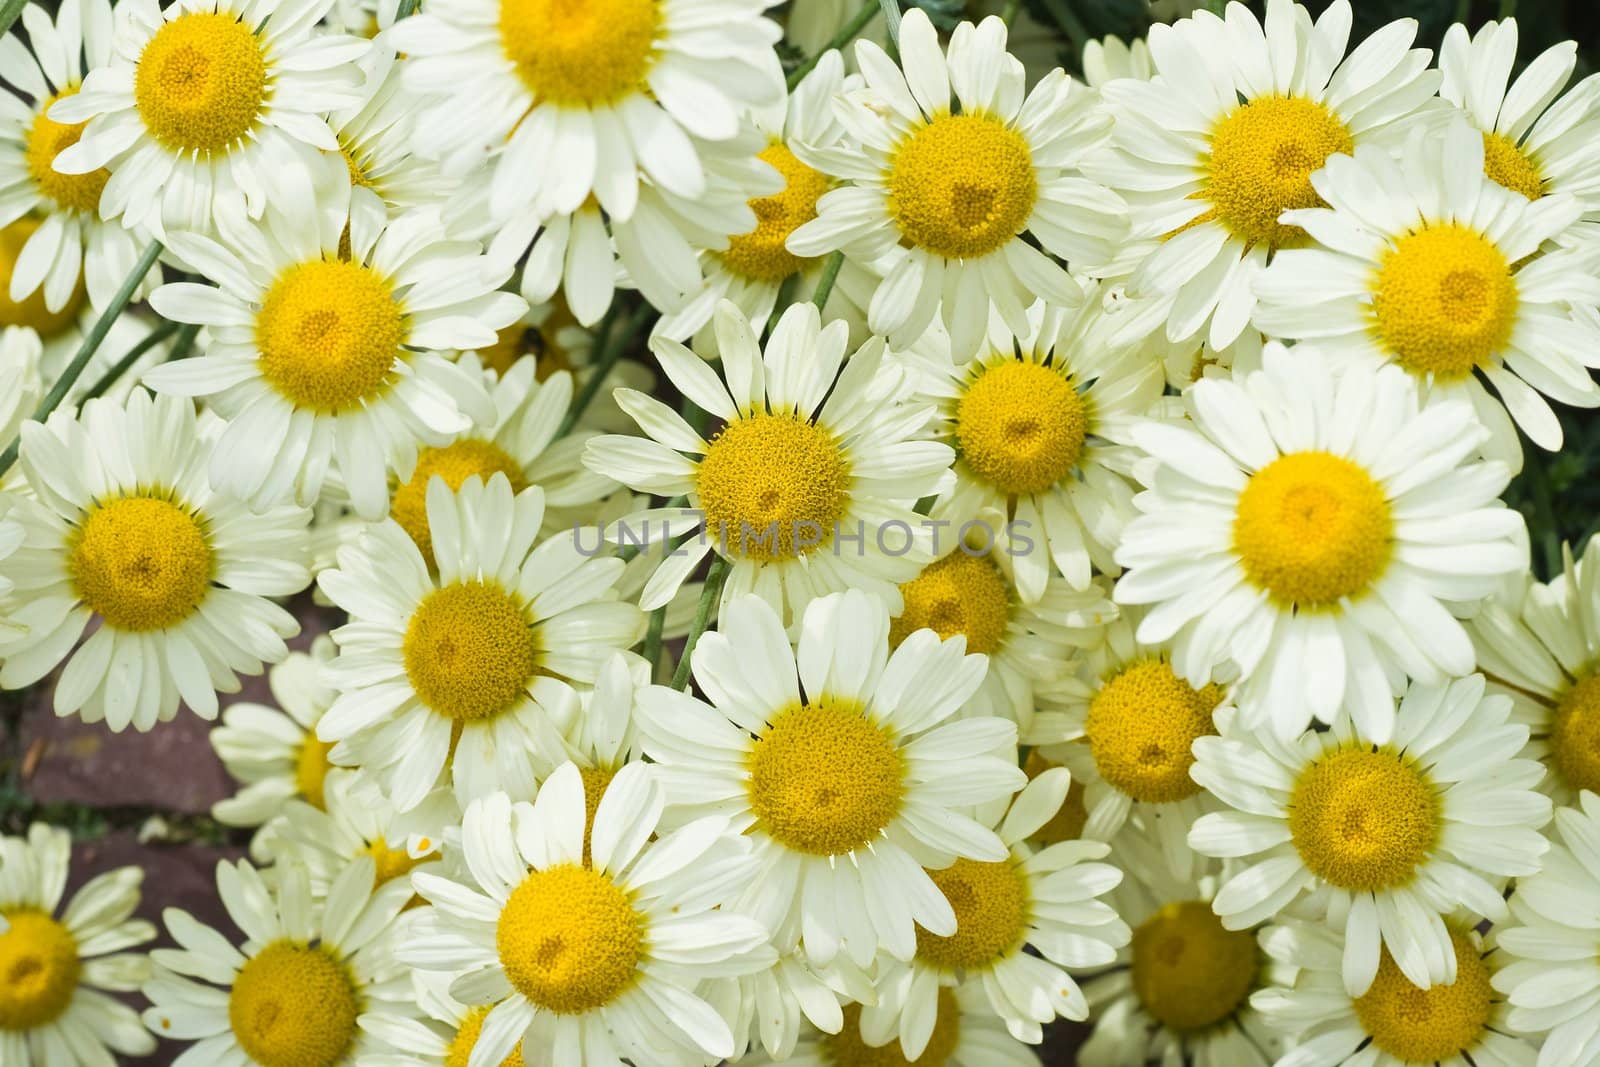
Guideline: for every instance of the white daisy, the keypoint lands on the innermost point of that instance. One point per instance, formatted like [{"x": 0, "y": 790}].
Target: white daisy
[
  {"x": 20, "y": 384},
  {"x": 294, "y": 990},
  {"x": 122, "y": 529},
  {"x": 447, "y": 668},
  {"x": 1462, "y": 1023},
  {"x": 1108, "y": 58},
  {"x": 51, "y": 326},
  {"x": 319, "y": 358},
  {"x": 54, "y": 1007},
  {"x": 1213, "y": 150},
  {"x": 1386, "y": 836},
  {"x": 614, "y": 89},
  {"x": 1019, "y": 922},
  {"x": 836, "y": 763},
  {"x": 207, "y": 106},
  {"x": 356, "y": 819},
  {"x": 770, "y": 1010},
  {"x": 809, "y": 485},
  {"x": 445, "y": 1038},
  {"x": 374, "y": 137},
  {"x": 71, "y": 248},
  {"x": 1429, "y": 265},
  {"x": 1314, "y": 528},
  {"x": 939, "y": 201},
  {"x": 587, "y": 962}
]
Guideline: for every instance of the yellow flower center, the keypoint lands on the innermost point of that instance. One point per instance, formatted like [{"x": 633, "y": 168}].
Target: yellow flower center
[
  {"x": 311, "y": 770},
  {"x": 1428, "y": 1025},
  {"x": 1575, "y": 735},
  {"x": 294, "y": 1005},
  {"x": 578, "y": 53},
  {"x": 959, "y": 594},
  {"x": 773, "y": 487},
  {"x": 825, "y": 779},
  {"x": 1188, "y": 972},
  {"x": 761, "y": 254},
  {"x": 460, "y": 1050},
  {"x": 141, "y": 563},
  {"x": 455, "y": 463},
  {"x": 595, "y": 781},
  {"x": 201, "y": 82},
  {"x": 961, "y": 186},
  {"x": 38, "y": 970},
  {"x": 991, "y": 905},
  {"x": 1444, "y": 301},
  {"x": 569, "y": 939},
  {"x": 329, "y": 333},
  {"x": 391, "y": 863},
  {"x": 31, "y": 311},
  {"x": 1141, "y": 726},
  {"x": 1020, "y": 426},
  {"x": 1312, "y": 528},
  {"x": 1068, "y": 821},
  {"x": 1262, "y": 157},
  {"x": 47, "y": 139},
  {"x": 469, "y": 652},
  {"x": 1364, "y": 819},
  {"x": 847, "y": 1049},
  {"x": 1507, "y": 165}
]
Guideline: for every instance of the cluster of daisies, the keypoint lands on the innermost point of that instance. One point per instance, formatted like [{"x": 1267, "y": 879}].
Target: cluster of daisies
[{"x": 839, "y": 546}]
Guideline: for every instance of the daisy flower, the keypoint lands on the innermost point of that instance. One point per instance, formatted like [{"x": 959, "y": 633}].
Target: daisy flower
[
  {"x": 1224, "y": 139},
  {"x": 447, "y": 667},
  {"x": 208, "y": 105},
  {"x": 1040, "y": 423},
  {"x": 598, "y": 960},
  {"x": 1314, "y": 528},
  {"x": 374, "y": 138},
  {"x": 20, "y": 384},
  {"x": 356, "y": 819},
  {"x": 836, "y": 763},
  {"x": 122, "y": 529},
  {"x": 70, "y": 246},
  {"x": 1395, "y": 1022},
  {"x": 1019, "y": 922},
  {"x": 1125, "y": 724},
  {"x": 1109, "y": 58},
  {"x": 54, "y": 1007},
  {"x": 320, "y": 357},
  {"x": 1553, "y": 979},
  {"x": 445, "y": 1038},
  {"x": 939, "y": 200},
  {"x": 1385, "y": 837},
  {"x": 1429, "y": 265},
  {"x": 294, "y": 990},
  {"x": 615, "y": 89},
  {"x": 769, "y": 1010},
  {"x": 808, "y": 486},
  {"x": 31, "y": 311},
  {"x": 598, "y": 732},
  {"x": 274, "y": 752}
]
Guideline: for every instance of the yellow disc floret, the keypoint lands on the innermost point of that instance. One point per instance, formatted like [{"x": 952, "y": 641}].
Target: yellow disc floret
[
  {"x": 1312, "y": 528},
  {"x": 391, "y": 863},
  {"x": 38, "y": 970},
  {"x": 761, "y": 254},
  {"x": 1020, "y": 426},
  {"x": 311, "y": 768},
  {"x": 460, "y": 1050},
  {"x": 847, "y": 1049},
  {"x": 201, "y": 82},
  {"x": 1575, "y": 735},
  {"x": 329, "y": 333},
  {"x": 1141, "y": 726},
  {"x": 959, "y": 594},
  {"x": 1433, "y": 1025},
  {"x": 48, "y": 139},
  {"x": 1068, "y": 821},
  {"x": 1262, "y": 157},
  {"x": 991, "y": 905},
  {"x": 581, "y": 53},
  {"x": 455, "y": 463},
  {"x": 469, "y": 652},
  {"x": 294, "y": 1005},
  {"x": 1444, "y": 301},
  {"x": 1188, "y": 972},
  {"x": 31, "y": 311},
  {"x": 825, "y": 778},
  {"x": 961, "y": 186},
  {"x": 595, "y": 782},
  {"x": 141, "y": 563},
  {"x": 1508, "y": 165},
  {"x": 569, "y": 939},
  {"x": 1364, "y": 819},
  {"x": 772, "y": 487}
]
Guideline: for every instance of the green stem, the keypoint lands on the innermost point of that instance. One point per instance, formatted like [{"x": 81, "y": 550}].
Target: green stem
[
  {"x": 830, "y": 274},
  {"x": 9, "y": 10},
  {"x": 702, "y": 615},
  {"x": 185, "y": 341},
  {"x": 109, "y": 378},
  {"x": 891, "y": 19},
  {"x": 652, "y": 640},
  {"x": 609, "y": 347},
  {"x": 91, "y": 345},
  {"x": 1545, "y": 515},
  {"x": 406, "y": 9},
  {"x": 1068, "y": 20},
  {"x": 840, "y": 39}
]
